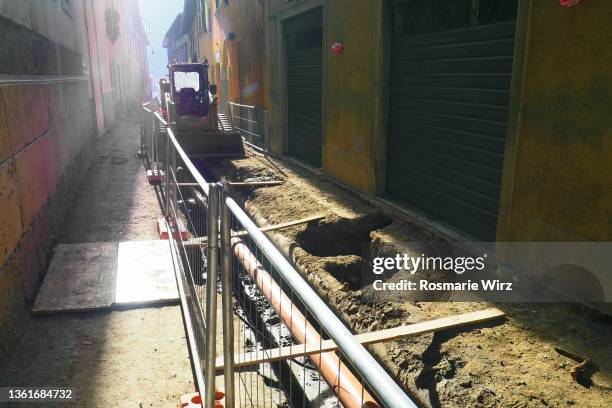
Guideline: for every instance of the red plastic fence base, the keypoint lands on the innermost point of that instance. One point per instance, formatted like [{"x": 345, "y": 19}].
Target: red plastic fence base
[
  {"x": 154, "y": 175},
  {"x": 195, "y": 401},
  {"x": 178, "y": 230}
]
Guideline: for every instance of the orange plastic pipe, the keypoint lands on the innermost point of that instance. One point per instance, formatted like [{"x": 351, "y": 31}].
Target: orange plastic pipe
[{"x": 342, "y": 381}]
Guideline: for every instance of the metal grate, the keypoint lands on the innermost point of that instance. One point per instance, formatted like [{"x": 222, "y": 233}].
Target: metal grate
[
  {"x": 249, "y": 120},
  {"x": 413, "y": 17},
  {"x": 450, "y": 73}
]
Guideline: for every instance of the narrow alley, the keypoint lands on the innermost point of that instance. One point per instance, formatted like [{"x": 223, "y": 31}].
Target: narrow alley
[{"x": 305, "y": 203}]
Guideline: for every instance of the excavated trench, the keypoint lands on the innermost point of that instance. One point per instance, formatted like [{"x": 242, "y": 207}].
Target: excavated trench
[
  {"x": 494, "y": 365},
  {"x": 341, "y": 236},
  {"x": 345, "y": 244},
  {"x": 295, "y": 382}
]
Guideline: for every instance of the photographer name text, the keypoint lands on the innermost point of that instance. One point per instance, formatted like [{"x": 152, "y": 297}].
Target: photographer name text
[{"x": 425, "y": 285}]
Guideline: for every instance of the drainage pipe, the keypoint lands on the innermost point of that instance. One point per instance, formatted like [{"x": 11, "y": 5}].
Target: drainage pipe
[
  {"x": 385, "y": 388},
  {"x": 350, "y": 392}
]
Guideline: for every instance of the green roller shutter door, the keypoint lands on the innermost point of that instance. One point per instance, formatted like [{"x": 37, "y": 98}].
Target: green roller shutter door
[
  {"x": 305, "y": 87},
  {"x": 451, "y": 65}
]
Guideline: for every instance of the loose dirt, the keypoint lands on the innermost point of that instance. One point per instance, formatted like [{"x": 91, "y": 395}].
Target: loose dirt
[{"x": 505, "y": 363}]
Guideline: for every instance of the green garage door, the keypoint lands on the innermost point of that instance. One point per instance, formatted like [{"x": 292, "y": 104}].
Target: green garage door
[
  {"x": 305, "y": 87},
  {"x": 451, "y": 64}
]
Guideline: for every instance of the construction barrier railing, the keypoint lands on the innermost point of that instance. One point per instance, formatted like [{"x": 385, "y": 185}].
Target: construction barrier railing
[
  {"x": 270, "y": 336},
  {"x": 250, "y": 121},
  {"x": 147, "y": 123},
  {"x": 289, "y": 334}
]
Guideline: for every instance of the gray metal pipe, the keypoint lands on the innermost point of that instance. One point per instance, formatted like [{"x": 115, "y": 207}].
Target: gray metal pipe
[
  {"x": 211, "y": 294},
  {"x": 227, "y": 301},
  {"x": 187, "y": 162}
]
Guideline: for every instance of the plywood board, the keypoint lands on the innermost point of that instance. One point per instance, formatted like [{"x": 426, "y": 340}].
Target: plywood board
[
  {"x": 379, "y": 336},
  {"x": 145, "y": 273},
  {"x": 94, "y": 276},
  {"x": 80, "y": 277}
]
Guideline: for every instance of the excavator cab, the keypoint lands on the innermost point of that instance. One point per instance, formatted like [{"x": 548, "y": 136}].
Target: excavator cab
[
  {"x": 189, "y": 89},
  {"x": 192, "y": 107}
]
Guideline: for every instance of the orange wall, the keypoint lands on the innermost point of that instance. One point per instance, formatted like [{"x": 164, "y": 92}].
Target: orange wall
[{"x": 244, "y": 18}]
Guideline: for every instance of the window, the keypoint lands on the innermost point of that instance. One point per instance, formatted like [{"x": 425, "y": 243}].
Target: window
[
  {"x": 208, "y": 18},
  {"x": 194, "y": 49},
  {"x": 202, "y": 13},
  {"x": 186, "y": 80},
  {"x": 413, "y": 17},
  {"x": 112, "y": 24}
]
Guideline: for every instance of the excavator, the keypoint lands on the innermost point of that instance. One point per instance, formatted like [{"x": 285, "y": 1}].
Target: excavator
[{"x": 189, "y": 102}]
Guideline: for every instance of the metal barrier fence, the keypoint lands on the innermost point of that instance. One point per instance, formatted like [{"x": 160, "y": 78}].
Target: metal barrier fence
[
  {"x": 249, "y": 120},
  {"x": 152, "y": 139},
  {"x": 282, "y": 346},
  {"x": 146, "y": 136}
]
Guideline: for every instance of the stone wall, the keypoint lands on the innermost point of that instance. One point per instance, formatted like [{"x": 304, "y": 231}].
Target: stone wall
[{"x": 47, "y": 132}]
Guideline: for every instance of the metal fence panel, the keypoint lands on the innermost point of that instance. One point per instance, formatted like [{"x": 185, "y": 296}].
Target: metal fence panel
[
  {"x": 273, "y": 321},
  {"x": 249, "y": 120}
]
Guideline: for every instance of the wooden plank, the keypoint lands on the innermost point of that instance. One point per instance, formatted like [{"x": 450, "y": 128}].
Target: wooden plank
[
  {"x": 292, "y": 223},
  {"x": 379, "y": 336},
  {"x": 203, "y": 240},
  {"x": 255, "y": 183},
  {"x": 80, "y": 277},
  {"x": 240, "y": 183},
  {"x": 95, "y": 276}
]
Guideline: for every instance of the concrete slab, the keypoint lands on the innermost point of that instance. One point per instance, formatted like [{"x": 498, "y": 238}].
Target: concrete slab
[{"x": 94, "y": 276}]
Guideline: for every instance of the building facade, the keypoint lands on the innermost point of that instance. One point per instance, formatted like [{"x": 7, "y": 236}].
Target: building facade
[
  {"x": 481, "y": 119},
  {"x": 57, "y": 93},
  {"x": 230, "y": 35},
  {"x": 118, "y": 46},
  {"x": 470, "y": 117},
  {"x": 175, "y": 54}
]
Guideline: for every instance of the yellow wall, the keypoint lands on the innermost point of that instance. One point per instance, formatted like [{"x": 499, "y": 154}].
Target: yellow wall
[
  {"x": 350, "y": 92},
  {"x": 561, "y": 186},
  {"x": 244, "y": 18},
  {"x": 557, "y": 182},
  {"x": 352, "y": 87}
]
